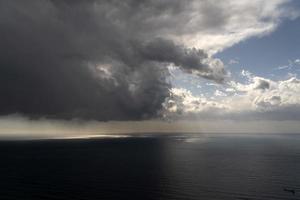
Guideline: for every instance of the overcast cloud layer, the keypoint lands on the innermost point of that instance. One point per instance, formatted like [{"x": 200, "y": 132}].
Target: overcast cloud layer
[{"x": 108, "y": 59}]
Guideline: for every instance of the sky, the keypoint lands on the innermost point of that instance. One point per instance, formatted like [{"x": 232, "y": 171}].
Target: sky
[{"x": 149, "y": 66}]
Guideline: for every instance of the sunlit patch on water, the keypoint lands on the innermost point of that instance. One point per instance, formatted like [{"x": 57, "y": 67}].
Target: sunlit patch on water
[
  {"x": 196, "y": 140},
  {"x": 92, "y": 136}
]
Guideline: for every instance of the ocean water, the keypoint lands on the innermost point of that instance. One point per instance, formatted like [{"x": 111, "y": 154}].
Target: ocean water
[{"x": 157, "y": 166}]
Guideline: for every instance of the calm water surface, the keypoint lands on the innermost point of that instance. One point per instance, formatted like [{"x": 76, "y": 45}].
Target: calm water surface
[{"x": 194, "y": 166}]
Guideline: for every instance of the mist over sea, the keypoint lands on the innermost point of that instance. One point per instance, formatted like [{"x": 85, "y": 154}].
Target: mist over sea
[{"x": 153, "y": 166}]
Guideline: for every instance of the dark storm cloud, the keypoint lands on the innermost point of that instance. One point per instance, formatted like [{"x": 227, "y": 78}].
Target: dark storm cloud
[
  {"x": 189, "y": 60},
  {"x": 99, "y": 59}
]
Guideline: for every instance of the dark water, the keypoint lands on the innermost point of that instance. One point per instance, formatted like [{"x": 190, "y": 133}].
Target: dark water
[{"x": 241, "y": 167}]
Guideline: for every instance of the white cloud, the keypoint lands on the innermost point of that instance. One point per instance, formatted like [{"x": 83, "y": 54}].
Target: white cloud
[
  {"x": 246, "y": 73},
  {"x": 265, "y": 94},
  {"x": 291, "y": 64},
  {"x": 297, "y": 61},
  {"x": 258, "y": 97},
  {"x": 220, "y": 93},
  {"x": 233, "y": 61},
  {"x": 182, "y": 102},
  {"x": 221, "y": 24},
  {"x": 283, "y": 67}
]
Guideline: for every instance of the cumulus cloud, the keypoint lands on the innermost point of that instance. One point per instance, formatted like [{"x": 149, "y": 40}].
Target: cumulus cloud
[
  {"x": 90, "y": 59},
  {"x": 183, "y": 104},
  {"x": 257, "y": 98},
  {"x": 107, "y": 60}
]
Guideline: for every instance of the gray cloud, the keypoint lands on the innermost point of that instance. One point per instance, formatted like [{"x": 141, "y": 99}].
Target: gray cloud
[
  {"x": 99, "y": 59},
  {"x": 262, "y": 84},
  {"x": 189, "y": 60}
]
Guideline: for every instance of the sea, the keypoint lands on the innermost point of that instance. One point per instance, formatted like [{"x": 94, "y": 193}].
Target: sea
[{"x": 152, "y": 166}]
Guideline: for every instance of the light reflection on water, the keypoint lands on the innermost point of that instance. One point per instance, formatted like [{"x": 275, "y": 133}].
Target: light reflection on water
[{"x": 153, "y": 166}]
